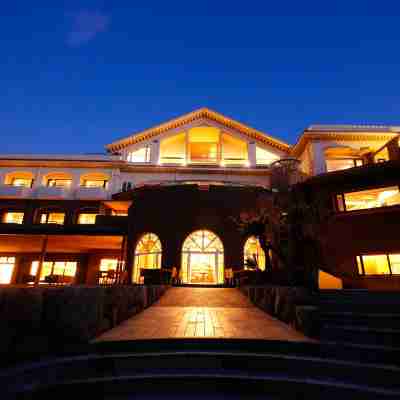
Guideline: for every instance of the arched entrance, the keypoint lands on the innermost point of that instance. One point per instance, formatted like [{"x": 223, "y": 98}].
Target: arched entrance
[
  {"x": 202, "y": 259},
  {"x": 148, "y": 253}
]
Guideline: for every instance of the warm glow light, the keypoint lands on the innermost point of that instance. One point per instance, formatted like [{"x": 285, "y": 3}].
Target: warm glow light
[
  {"x": 147, "y": 254},
  {"x": 202, "y": 258},
  {"x": 6, "y": 269},
  {"x": 66, "y": 270},
  {"x": 13, "y": 218},
  {"x": 52, "y": 218},
  {"x": 366, "y": 199},
  {"x": 254, "y": 252},
  {"x": 87, "y": 218}
]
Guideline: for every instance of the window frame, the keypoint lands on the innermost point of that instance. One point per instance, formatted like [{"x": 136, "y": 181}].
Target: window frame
[
  {"x": 102, "y": 186},
  {"x": 47, "y": 213},
  {"x": 55, "y": 180},
  {"x": 360, "y": 256},
  {"x": 343, "y": 159},
  {"x": 342, "y": 194}
]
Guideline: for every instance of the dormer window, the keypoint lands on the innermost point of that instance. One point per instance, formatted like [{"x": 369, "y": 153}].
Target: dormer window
[
  {"x": 59, "y": 182},
  {"x": 141, "y": 155}
]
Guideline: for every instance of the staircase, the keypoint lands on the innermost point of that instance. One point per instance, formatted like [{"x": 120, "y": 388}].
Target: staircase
[
  {"x": 212, "y": 369},
  {"x": 361, "y": 318}
]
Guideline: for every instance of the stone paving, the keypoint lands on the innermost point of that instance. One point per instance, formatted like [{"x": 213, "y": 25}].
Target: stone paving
[{"x": 202, "y": 312}]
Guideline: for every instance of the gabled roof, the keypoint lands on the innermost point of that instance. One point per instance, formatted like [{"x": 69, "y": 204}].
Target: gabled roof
[
  {"x": 201, "y": 114},
  {"x": 376, "y": 133}
]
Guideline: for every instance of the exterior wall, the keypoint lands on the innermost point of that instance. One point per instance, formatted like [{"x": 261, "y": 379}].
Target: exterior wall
[{"x": 173, "y": 213}]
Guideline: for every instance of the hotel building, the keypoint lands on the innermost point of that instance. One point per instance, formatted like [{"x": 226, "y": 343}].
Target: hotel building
[{"x": 163, "y": 199}]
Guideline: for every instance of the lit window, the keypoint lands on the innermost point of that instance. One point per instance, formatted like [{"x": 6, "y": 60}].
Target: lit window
[
  {"x": 52, "y": 218},
  {"x": 336, "y": 164},
  {"x": 234, "y": 151},
  {"x": 87, "y": 218},
  {"x": 173, "y": 149},
  {"x": 204, "y": 144},
  {"x": 140, "y": 156},
  {"x": 92, "y": 183},
  {"x": 119, "y": 213},
  {"x": 395, "y": 263},
  {"x": 254, "y": 254},
  {"x": 13, "y": 218},
  {"x": 64, "y": 270},
  {"x": 59, "y": 182},
  {"x": 107, "y": 264},
  {"x": 366, "y": 199},
  {"x": 23, "y": 182},
  {"x": 382, "y": 155},
  {"x": 7, "y": 265},
  {"x": 147, "y": 254},
  {"x": 265, "y": 157}
]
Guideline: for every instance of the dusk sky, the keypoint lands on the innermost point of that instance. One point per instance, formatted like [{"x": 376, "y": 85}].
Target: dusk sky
[{"x": 76, "y": 75}]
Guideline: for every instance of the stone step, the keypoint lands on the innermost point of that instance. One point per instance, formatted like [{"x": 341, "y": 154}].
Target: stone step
[
  {"x": 281, "y": 374},
  {"x": 373, "y": 320},
  {"x": 361, "y": 335}
]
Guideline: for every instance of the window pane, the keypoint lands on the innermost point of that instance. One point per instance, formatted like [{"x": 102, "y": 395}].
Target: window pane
[
  {"x": 339, "y": 164},
  {"x": 382, "y": 155},
  {"x": 234, "y": 151},
  {"x": 265, "y": 157},
  {"x": 372, "y": 198},
  {"x": 173, "y": 149},
  {"x": 95, "y": 183},
  {"x": 107, "y": 264},
  {"x": 52, "y": 218},
  {"x": 254, "y": 253},
  {"x": 87, "y": 218},
  {"x": 21, "y": 182},
  {"x": 13, "y": 217},
  {"x": 140, "y": 155},
  {"x": 395, "y": 263},
  {"x": 6, "y": 269},
  {"x": 59, "y": 182},
  {"x": 206, "y": 152},
  {"x": 376, "y": 265}
]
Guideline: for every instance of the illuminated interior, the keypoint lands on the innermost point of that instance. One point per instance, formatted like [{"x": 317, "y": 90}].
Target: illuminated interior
[
  {"x": 253, "y": 251},
  {"x": 7, "y": 265},
  {"x": 382, "y": 155},
  {"x": 173, "y": 149},
  {"x": 204, "y": 144},
  {"x": 265, "y": 157},
  {"x": 147, "y": 255},
  {"x": 141, "y": 155},
  {"x": 87, "y": 218},
  {"x": 367, "y": 199},
  {"x": 13, "y": 217},
  {"x": 202, "y": 259},
  {"x": 234, "y": 151},
  {"x": 337, "y": 164},
  {"x": 20, "y": 178},
  {"x": 52, "y": 218},
  {"x": 59, "y": 182},
  {"x": 64, "y": 270},
  {"x": 108, "y": 267},
  {"x": 94, "y": 180}
]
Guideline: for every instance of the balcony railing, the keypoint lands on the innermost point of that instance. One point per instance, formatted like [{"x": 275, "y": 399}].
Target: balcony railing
[
  {"x": 14, "y": 192},
  {"x": 53, "y": 192},
  {"x": 91, "y": 193}
]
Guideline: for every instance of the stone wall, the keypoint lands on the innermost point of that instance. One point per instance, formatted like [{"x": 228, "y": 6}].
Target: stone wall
[{"x": 53, "y": 320}]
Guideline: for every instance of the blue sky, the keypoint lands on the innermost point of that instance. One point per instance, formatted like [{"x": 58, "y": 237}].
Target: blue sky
[{"x": 79, "y": 74}]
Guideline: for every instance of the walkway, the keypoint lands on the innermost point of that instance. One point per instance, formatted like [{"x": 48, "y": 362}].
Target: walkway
[{"x": 202, "y": 312}]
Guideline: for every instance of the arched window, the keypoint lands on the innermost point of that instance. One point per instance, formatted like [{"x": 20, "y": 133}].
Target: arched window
[
  {"x": 19, "y": 178},
  {"x": 148, "y": 253},
  {"x": 58, "y": 179},
  {"x": 202, "y": 258},
  {"x": 253, "y": 253}
]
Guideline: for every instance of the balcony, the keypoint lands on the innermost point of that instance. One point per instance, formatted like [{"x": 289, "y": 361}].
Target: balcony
[
  {"x": 91, "y": 193},
  {"x": 15, "y": 192},
  {"x": 53, "y": 192}
]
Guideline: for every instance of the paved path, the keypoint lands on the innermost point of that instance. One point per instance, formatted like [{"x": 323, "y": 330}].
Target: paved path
[{"x": 202, "y": 312}]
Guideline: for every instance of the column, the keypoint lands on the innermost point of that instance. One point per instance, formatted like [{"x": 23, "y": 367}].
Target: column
[
  {"x": 155, "y": 152},
  {"x": 251, "y": 154}
]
